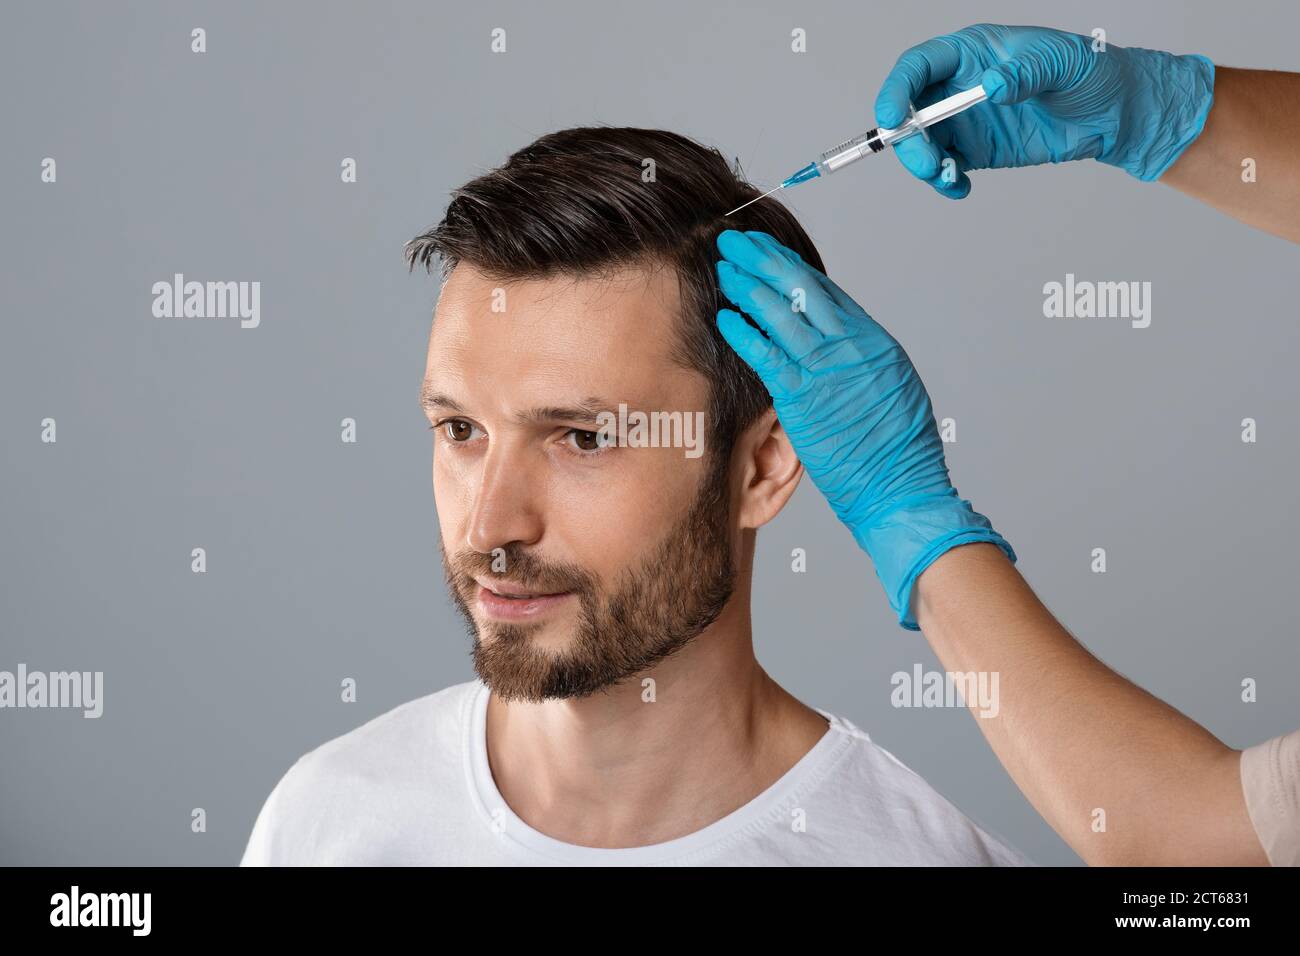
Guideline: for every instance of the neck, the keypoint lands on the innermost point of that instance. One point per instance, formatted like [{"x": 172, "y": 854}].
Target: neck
[{"x": 659, "y": 756}]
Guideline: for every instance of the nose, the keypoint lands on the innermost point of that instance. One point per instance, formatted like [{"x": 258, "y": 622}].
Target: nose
[{"x": 506, "y": 506}]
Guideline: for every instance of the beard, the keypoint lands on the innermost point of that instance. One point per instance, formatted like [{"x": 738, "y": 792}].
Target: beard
[{"x": 653, "y": 610}]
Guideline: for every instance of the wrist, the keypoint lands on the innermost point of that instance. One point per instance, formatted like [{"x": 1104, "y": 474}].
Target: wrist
[
  {"x": 1168, "y": 101},
  {"x": 907, "y": 538}
]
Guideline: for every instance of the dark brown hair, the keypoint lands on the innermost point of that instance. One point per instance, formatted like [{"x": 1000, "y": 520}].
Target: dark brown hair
[{"x": 574, "y": 202}]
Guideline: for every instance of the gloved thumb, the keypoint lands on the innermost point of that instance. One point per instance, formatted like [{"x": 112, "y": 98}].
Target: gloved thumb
[{"x": 1025, "y": 75}]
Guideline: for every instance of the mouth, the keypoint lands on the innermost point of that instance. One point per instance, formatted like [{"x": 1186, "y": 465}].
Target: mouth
[{"x": 510, "y": 602}]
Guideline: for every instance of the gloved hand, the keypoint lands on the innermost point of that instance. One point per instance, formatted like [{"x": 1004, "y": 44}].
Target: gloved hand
[
  {"x": 856, "y": 411},
  {"x": 1051, "y": 99}
]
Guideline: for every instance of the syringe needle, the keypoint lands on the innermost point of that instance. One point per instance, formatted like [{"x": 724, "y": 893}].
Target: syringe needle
[{"x": 754, "y": 200}]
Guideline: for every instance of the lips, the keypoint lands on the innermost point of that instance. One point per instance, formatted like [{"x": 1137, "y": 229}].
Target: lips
[
  {"x": 512, "y": 603},
  {"x": 507, "y": 590}
]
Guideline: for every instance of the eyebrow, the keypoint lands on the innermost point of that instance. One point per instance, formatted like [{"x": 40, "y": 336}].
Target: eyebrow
[{"x": 585, "y": 411}]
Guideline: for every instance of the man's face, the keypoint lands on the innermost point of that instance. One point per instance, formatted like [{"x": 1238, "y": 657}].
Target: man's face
[{"x": 633, "y": 545}]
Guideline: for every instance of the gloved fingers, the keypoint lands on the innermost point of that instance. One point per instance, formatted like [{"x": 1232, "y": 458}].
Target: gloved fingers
[
  {"x": 920, "y": 157},
  {"x": 774, "y": 244},
  {"x": 848, "y": 311},
  {"x": 932, "y": 163},
  {"x": 788, "y": 276},
  {"x": 779, "y": 373},
  {"x": 826, "y": 303},
  {"x": 924, "y": 64},
  {"x": 959, "y": 189},
  {"x": 1053, "y": 61},
  {"x": 768, "y": 308},
  {"x": 842, "y": 299},
  {"x": 952, "y": 181}
]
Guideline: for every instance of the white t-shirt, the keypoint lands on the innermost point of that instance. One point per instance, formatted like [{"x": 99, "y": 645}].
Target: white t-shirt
[{"x": 413, "y": 787}]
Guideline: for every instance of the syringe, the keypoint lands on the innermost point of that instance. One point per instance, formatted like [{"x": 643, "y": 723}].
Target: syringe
[{"x": 875, "y": 140}]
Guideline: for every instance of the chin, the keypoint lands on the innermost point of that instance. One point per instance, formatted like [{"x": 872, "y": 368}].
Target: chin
[{"x": 540, "y": 632}]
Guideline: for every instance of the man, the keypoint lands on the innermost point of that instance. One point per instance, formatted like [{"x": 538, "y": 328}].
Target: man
[{"x": 619, "y": 715}]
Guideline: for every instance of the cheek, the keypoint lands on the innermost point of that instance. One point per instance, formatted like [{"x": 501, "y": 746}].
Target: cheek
[
  {"x": 603, "y": 518},
  {"x": 609, "y": 526},
  {"x": 452, "y": 488}
]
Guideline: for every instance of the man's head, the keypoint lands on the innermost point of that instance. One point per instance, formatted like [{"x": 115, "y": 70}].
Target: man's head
[{"x": 578, "y": 276}]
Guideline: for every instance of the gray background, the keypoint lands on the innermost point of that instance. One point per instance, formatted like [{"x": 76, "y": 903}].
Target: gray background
[{"x": 322, "y": 557}]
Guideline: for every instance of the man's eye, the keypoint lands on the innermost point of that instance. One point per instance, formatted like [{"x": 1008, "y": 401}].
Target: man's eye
[
  {"x": 458, "y": 430},
  {"x": 589, "y": 441}
]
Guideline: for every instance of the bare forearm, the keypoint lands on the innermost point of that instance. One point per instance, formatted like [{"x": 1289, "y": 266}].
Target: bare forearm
[
  {"x": 1077, "y": 737},
  {"x": 1245, "y": 163}
]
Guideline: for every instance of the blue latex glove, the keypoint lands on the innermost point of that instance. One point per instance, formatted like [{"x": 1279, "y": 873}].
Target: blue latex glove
[
  {"x": 855, "y": 409},
  {"x": 1051, "y": 99}
]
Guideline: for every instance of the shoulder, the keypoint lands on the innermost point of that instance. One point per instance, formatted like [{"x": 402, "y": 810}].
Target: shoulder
[
  {"x": 414, "y": 748},
  {"x": 896, "y": 806},
  {"x": 394, "y": 741}
]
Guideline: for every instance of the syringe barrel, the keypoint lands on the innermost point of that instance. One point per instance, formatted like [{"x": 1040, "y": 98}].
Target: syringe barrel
[
  {"x": 918, "y": 120},
  {"x": 875, "y": 140},
  {"x": 850, "y": 151}
]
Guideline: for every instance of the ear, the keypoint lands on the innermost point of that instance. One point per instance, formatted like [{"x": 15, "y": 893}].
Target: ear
[{"x": 769, "y": 469}]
